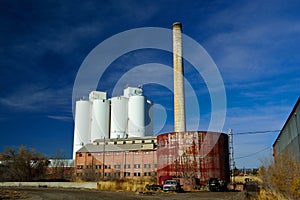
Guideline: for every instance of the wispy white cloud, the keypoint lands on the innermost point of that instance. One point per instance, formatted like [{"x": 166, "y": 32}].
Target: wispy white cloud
[
  {"x": 38, "y": 98},
  {"x": 244, "y": 48},
  {"x": 60, "y": 118}
]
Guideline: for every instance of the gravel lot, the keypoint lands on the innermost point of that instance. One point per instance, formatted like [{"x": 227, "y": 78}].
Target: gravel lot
[{"x": 74, "y": 194}]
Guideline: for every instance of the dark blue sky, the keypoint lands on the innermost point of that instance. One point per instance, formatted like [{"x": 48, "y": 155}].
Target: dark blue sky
[{"x": 255, "y": 45}]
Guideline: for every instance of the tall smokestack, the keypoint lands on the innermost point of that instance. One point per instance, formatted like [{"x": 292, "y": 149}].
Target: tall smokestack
[{"x": 179, "y": 104}]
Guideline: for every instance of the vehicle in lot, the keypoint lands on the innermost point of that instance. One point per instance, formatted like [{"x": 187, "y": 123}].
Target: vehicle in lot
[
  {"x": 153, "y": 187},
  {"x": 172, "y": 185},
  {"x": 216, "y": 185}
]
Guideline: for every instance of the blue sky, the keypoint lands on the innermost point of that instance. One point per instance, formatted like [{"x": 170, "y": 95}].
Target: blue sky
[{"x": 255, "y": 45}]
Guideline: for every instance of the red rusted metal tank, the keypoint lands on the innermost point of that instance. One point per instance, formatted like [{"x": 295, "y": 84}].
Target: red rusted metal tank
[{"x": 194, "y": 155}]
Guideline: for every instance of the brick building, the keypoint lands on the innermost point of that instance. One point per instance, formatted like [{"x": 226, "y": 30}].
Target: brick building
[{"x": 117, "y": 159}]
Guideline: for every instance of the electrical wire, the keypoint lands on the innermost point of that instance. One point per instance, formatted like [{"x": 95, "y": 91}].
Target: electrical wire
[
  {"x": 252, "y": 154},
  {"x": 256, "y": 132}
]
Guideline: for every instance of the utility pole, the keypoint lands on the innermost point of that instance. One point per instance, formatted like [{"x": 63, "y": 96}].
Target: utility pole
[
  {"x": 231, "y": 156},
  {"x": 103, "y": 159}
]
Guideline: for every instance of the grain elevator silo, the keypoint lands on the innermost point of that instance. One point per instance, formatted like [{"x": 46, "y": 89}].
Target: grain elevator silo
[
  {"x": 82, "y": 125},
  {"x": 136, "y": 116},
  {"x": 118, "y": 117},
  {"x": 100, "y": 112}
]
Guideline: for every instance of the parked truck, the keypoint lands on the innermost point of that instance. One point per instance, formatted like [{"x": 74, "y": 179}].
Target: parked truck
[{"x": 172, "y": 185}]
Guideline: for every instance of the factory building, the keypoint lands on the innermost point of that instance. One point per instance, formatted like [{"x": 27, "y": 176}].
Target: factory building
[
  {"x": 117, "y": 159},
  {"x": 190, "y": 156},
  {"x": 288, "y": 140},
  {"x": 124, "y": 116}
]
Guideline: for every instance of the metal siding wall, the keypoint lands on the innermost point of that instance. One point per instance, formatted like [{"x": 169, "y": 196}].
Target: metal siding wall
[
  {"x": 288, "y": 141},
  {"x": 198, "y": 154}
]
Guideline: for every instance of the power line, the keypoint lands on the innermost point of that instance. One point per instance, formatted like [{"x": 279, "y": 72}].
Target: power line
[
  {"x": 252, "y": 154},
  {"x": 256, "y": 132}
]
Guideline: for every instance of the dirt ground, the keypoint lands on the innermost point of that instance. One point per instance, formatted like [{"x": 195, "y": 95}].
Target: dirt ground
[{"x": 76, "y": 194}]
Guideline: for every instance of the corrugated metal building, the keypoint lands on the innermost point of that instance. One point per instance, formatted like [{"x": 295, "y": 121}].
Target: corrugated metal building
[{"x": 288, "y": 140}]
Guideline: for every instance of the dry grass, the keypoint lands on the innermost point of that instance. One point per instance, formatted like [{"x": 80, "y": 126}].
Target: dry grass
[
  {"x": 126, "y": 185},
  {"x": 10, "y": 194},
  {"x": 270, "y": 195}
]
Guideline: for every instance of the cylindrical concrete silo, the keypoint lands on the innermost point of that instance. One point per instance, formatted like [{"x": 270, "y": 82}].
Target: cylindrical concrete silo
[
  {"x": 193, "y": 155},
  {"x": 82, "y": 125},
  {"x": 118, "y": 117},
  {"x": 100, "y": 119},
  {"x": 136, "y": 116}
]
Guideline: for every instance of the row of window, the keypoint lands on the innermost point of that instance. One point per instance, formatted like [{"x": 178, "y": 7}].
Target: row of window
[
  {"x": 126, "y": 142},
  {"x": 118, "y": 174},
  {"x": 126, "y": 166},
  {"x": 115, "y": 153}
]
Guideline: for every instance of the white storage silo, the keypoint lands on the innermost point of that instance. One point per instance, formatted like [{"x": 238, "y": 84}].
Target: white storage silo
[
  {"x": 82, "y": 125},
  {"x": 136, "y": 116},
  {"x": 118, "y": 117},
  {"x": 100, "y": 119},
  {"x": 149, "y": 118}
]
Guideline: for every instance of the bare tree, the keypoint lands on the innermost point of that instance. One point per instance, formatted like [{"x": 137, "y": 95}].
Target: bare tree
[
  {"x": 283, "y": 176},
  {"x": 23, "y": 164}
]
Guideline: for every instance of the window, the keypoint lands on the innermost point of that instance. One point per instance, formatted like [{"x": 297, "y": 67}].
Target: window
[
  {"x": 133, "y": 142},
  {"x": 89, "y": 166},
  {"x": 89, "y": 154},
  {"x": 137, "y": 166},
  {"x": 137, "y": 174},
  {"x": 126, "y": 173},
  {"x": 115, "y": 142},
  {"x": 80, "y": 155},
  {"x": 106, "y": 174},
  {"x": 143, "y": 141},
  {"x": 117, "y": 174},
  {"x": 124, "y": 142},
  {"x": 107, "y": 166},
  {"x": 117, "y": 153},
  {"x": 147, "y": 165},
  {"x": 155, "y": 165},
  {"x": 79, "y": 166},
  {"x": 117, "y": 166},
  {"x": 146, "y": 152},
  {"x": 79, "y": 174},
  {"x": 136, "y": 153},
  {"x": 126, "y": 166},
  {"x": 147, "y": 173},
  {"x": 107, "y": 154},
  {"x": 126, "y": 152},
  {"x": 98, "y": 166}
]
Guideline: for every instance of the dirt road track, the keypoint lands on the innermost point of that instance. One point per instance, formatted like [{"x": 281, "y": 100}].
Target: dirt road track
[{"x": 84, "y": 194}]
